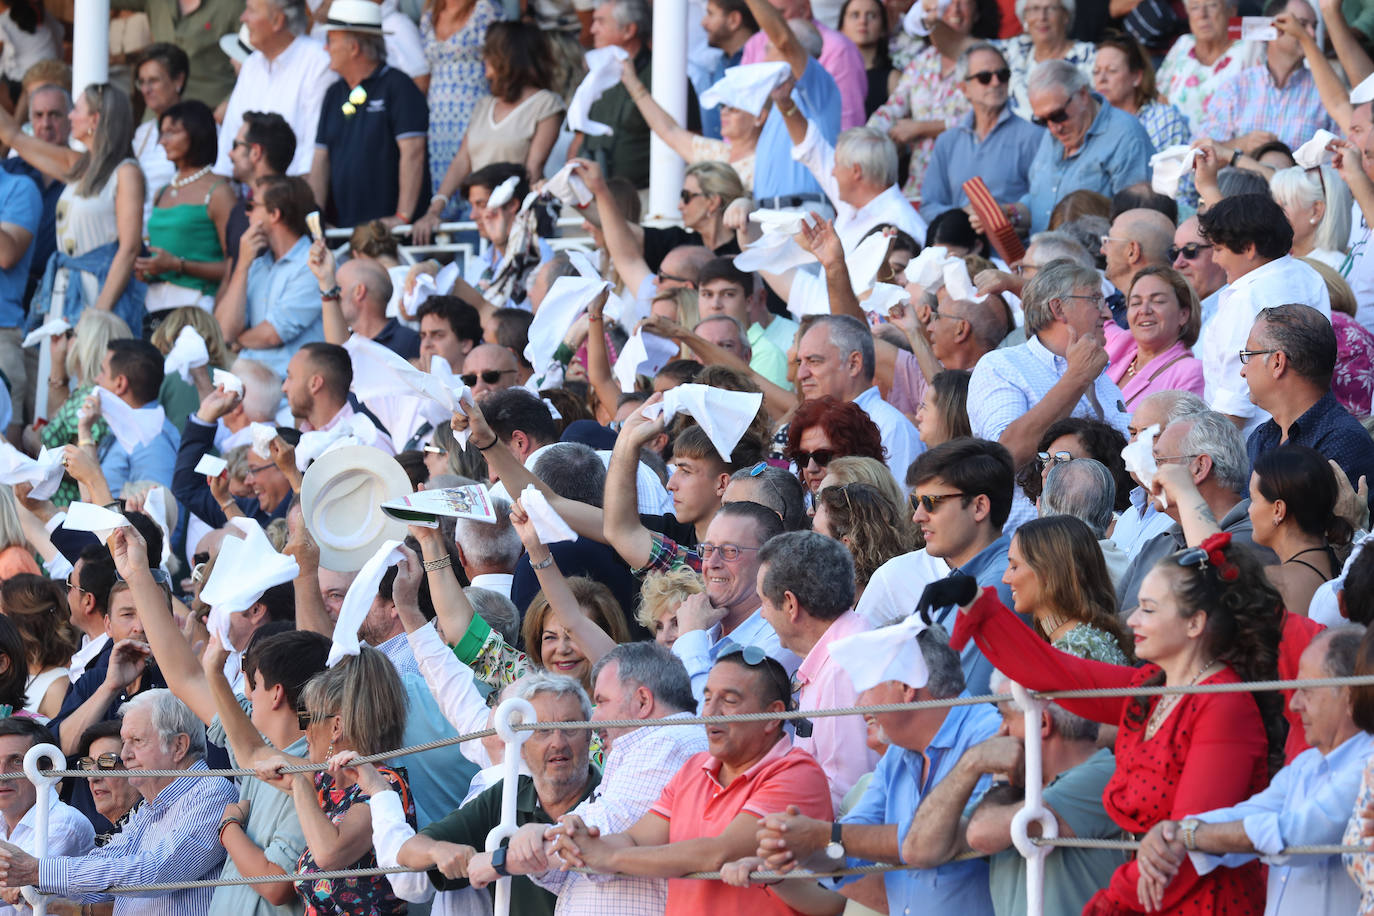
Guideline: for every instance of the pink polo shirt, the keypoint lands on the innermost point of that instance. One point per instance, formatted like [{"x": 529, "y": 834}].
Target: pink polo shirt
[
  {"x": 696, "y": 805},
  {"x": 840, "y": 58}
]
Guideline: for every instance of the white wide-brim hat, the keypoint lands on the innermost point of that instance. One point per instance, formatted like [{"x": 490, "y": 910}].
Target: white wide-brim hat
[
  {"x": 341, "y": 498},
  {"x": 355, "y": 16},
  {"x": 236, "y": 44}
]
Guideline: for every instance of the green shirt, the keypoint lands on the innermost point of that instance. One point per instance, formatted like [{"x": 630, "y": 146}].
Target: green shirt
[
  {"x": 625, "y": 152},
  {"x": 211, "y": 78},
  {"x": 768, "y": 361},
  {"x": 470, "y": 824}
]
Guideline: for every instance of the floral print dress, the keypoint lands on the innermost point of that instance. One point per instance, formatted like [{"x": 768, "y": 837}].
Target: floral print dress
[
  {"x": 1188, "y": 83},
  {"x": 1360, "y": 867},
  {"x": 924, "y": 93}
]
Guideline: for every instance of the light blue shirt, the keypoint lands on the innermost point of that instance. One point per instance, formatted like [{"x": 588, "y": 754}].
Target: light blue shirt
[
  {"x": 284, "y": 293},
  {"x": 899, "y": 437},
  {"x": 22, "y": 205},
  {"x": 987, "y": 566},
  {"x": 699, "y": 649},
  {"x": 779, "y": 175},
  {"x": 898, "y": 785},
  {"x": 1002, "y": 159},
  {"x": 1139, "y": 524},
  {"x": 1115, "y": 154},
  {"x": 1308, "y": 803},
  {"x": 152, "y": 461}
]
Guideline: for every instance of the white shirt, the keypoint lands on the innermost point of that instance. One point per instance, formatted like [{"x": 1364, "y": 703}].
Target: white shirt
[
  {"x": 389, "y": 833},
  {"x": 69, "y": 834},
  {"x": 90, "y": 648},
  {"x": 853, "y": 223},
  {"x": 901, "y": 442},
  {"x": 893, "y": 588},
  {"x": 494, "y": 582},
  {"x": 1358, "y": 268},
  {"x": 452, "y": 684},
  {"x": 158, "y": 170},
  {"x": 1283, "y": 281},
  {"x": 293, "y": 85},
  {"x": 405, "y": 48}
]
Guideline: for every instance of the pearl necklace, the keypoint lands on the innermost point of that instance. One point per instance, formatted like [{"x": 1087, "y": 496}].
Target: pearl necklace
[{"x": 177, "y": 183}]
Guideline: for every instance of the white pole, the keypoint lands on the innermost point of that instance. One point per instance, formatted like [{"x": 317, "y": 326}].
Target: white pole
[
  {"x": 90, "y": 44},
  {"x": 510, "y": 711},
  {"x": 1034, "y": 809},
  {"x": 670, "y": 91},
  {"x": 53, "y": 758}
]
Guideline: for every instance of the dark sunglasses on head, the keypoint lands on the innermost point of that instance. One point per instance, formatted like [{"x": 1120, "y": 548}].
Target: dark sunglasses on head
[
  {"x": 1058, "y": 116},
  {"x": 755, "y": 658},
  {"x": 822, "y": 457},
  {"x": 986, "y": 77},
  {"x": 490, "y": 376},
  {"x": 103, "y": 762},
  {"x": 1189, "y": 251}
]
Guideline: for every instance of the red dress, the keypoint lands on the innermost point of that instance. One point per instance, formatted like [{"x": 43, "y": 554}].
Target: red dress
[{"x": 1210, "y": 752}]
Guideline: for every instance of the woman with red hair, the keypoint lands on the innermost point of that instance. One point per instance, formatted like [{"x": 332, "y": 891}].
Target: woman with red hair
[{"x": 824, "y": 429}]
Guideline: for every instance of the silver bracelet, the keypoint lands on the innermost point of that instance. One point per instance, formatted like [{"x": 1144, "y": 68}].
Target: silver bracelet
[{"x": 544, "y": 563}]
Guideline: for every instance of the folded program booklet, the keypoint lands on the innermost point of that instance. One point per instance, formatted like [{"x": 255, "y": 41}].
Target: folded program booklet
[{"x": 426, "y": 506}]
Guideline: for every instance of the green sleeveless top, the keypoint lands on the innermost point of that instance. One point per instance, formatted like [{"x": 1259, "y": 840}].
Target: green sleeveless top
[{"x": 186, "y": 231}]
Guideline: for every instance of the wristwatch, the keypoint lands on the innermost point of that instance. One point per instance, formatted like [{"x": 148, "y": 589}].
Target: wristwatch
[
  {"x": 498, "y": 861},
  {"x": 1189, "y": 827},
  {"x": 834, "y": 850}
]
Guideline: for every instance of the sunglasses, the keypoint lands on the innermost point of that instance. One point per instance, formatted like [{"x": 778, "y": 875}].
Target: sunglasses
[
  {"x": 490, "y": 376},
  {"x": 1189, "y": 251},
  {"x": 1057, "y": 458},
  {"x": 728, "y": 552},
  {"x": 305, "y": 718},
  {"x": 687, "y": 196},
  {"x": 931, "y": 502},
  {"x": 822, "y": 457},
  {"x": 103, "y": 762},
  {"x": 1058, "y": 116},
  {"x": 986, "y": 77}
]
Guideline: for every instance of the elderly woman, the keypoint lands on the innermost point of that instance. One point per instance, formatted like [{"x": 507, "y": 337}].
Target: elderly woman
[
  {"x": 1154, "y": 355},
  {"x": 1124, "y": 76},
  {"x": 160, "y": 72},
  {"x": 825, "y": 428},
  {"x": 659, "y": 598},
  {"x": 1204, "y": 58},
  {"x": 1317, "y": 204}
]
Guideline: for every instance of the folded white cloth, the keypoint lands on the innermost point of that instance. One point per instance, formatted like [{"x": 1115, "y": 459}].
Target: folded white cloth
[
  {"x": 583, "y": 264},
  {"x": 747, "y": 87},
  {"x": 786, "y": 222},
  {"x": 913, "y": 23},
  {"x": 1364, "y": 92},
  {"x": 643, "y": 354},
  {"x": 1168, "y": 166},
  {"x": 188, "y": 352},
  {"x": 888, "y": 653},
  {"x": 244, "y": 568},
  {"x": 356, "y": 430},
  {"x": 548, "y": 524},
  {"x": 226, "y": 380},
  {"x": 131, "y": 426},
  {"x": 1314, "y": 152},
  {"x": 50, "y": 328},
  {"x": 864, "y": 262},
  {"x": 723, "y": 415},
  {"x": 775, "y": 252},
  {"x": 97, "y": 519},
  {"x": 1139, "y": 458},
  {"x": 958, "y": 283},
  {"x": 263, "y": 434},
  {"x": 312, "y": 221},
  {"x": 359, "y": 599},
  {"x": 211, "y": 466},
  {"x": 44, "y": 473},
  {"x": 155, "y": 507},
  {"x": 569, "y": 187},
  {"x": 884, "y": 297},
  {"x": 567, "y": 298},
  {"x": 603, "y": 72},
  {"x": 927, "y": 269},
  {"x": 503, "y": 192}
]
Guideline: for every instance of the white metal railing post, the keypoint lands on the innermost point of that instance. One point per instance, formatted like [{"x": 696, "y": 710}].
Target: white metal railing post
[
  {"x": 1034, "y": 810},
  {"x": 514, "y": 710},
  {"x": 42, "y": 783}
]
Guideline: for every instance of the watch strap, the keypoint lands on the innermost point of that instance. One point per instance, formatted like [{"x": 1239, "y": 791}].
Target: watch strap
[
  {"x": 498, "y": 861},
  {"x": 837, "y": 832}
]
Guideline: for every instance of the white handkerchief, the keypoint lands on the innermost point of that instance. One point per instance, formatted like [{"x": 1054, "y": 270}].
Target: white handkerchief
[
  {"x": 1314, "y": 152},
  {"x": 775, "y": 252},
  {"x": 263, "y": 434},
  {"x": 747, "y": 87},
  {"x": 244, "y": 569},
  {"x": 359, "y": 599},
  {"x": 927, "y": 269},
  {"x": 888, "y": 653},
  {"x": 884, "y": 297},
  {"x": 1364, "y": 92},
  {"x": 503, "y": 192},
  {"x": 723, "y": 415},
  {"x": 913, "y": 23},
  {"x": 155, "y": 507},
  {"x": 211, "y": 466},
  {"x": 1139, "y": 457},
  {"x": 187, "y": 353},
  {"x": 96, "y": 519},
  {"x": 1168, "y": 166},
  {"x": 787, "y": 222},
  {"x": 603, "y": 72},
  {"x": 420, "y": 291},
  {"x": 644, "y": 354},
  {"x": 568, "y": 187},
  {"x": 866, "y": 260},
  {"x": 226, "y": 380},
  {"x": 131, "y": 426},
  {"x": 50, "y": 328},
  {"x": 809, "y": 295},
  {"x": 312, "y": 221},
  {"x": 958, "y": 283},
  {"x": 548, "y": 524},
  {"x": 567, "y": 298},
  {"x": 356, "y": 430},
  {"x": 44, "y": 472},
  {"x": 1258, "y": 28},
  {"x": 583, "y": 264}
]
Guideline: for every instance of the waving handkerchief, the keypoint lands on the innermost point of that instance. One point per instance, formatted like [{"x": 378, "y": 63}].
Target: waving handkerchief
[
  {"x": 263, "y": 434},
  {"x": 1314, "y": 152},
  {"x": 244, "y": 569},
  {"x": 644, "y": 354},
  {"x": 747, "y": 87},
  {"x": 927, "y": 269},
  {"x": 724, "y": 415},
  {"x": 775, "y": 252},
  {"x": 567, "y": 298},
  {"x": 359, "y": 599},
  {"x": 187, "y": 353},
  {"x": 155, "y": 507},
  {"x": 132, "y": 426},
  {"x": 96, "y": 519},
  {"x": 913, "y": 23},
  {"x": 884, "y": 297},
  {"x": 582, "y": 264},
  {"x": 503, "y": 192},
  {"x": 211, "y": 466},
  {"x": 603, "y": 72},
  {"x": 568, "y": 187},
  {"x": 958, "y": 283},
  {"x": 44, "y": 472},
  {"x": 888, "y": 653},
  {"x": 1168, "y": 166},
  {"x": 786, "y": 222},
  {"x": 548, "y": 524},
  {"x": 226, "y": 380},
  {"x": 1139, "y": 457},
  {"x": 356, "y": 430},
  {"x": 865, "y": 261},
  {"x": 50, "y": 328}
]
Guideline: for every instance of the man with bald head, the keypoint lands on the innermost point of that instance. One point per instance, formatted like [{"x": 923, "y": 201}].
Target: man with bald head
[
  {"x": 354, "y": 297},
  {"x": 682, "y": 267},
  {"x": 961, "y": 331},
  {"x": 1191, "y": 256},
  {"x": 1137, "y": 239},
  {"x": 489, "y": 367}
]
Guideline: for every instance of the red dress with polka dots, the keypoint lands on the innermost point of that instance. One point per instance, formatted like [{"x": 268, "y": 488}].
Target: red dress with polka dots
[{"x": 1210, "y": 752}]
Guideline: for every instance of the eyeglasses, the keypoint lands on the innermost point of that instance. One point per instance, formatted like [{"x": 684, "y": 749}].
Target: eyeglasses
[
  {"x": 258, "y": 469},
  {"x": 1170, "y": 459},
  {"x": 687, "y": 196},
  {"x": 1247, "y": 355},
  {"x": 1104, "y": 239},
  {"x": 103, "y": 762},
  {"x": 1096, "y": 298},
  {"x": 1058, "y": 116},
  {"x": 1025, "y": 268},
  {"x": 669, "y": 278},
  {"x": 1057, "y": 458},
  {"x": 822, "y": 457},
  {"x": 728, "y": 552},
  {"x": 240, "y": 143},
  {"x": 986, "y": 77},
  {"x": 434, "y": 450},
  {"x": 305, "y": 718},
  {"x": 490, "y": 376},
  {"x": 935, "y": 313},
  {"x": 1189, "y": 251},
  {"x": 71, "y": 581},
  {"x": 931, "y": 502}
]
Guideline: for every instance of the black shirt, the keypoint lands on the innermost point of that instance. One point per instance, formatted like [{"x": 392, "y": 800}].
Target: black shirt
[{"x": 399, "y": 339}]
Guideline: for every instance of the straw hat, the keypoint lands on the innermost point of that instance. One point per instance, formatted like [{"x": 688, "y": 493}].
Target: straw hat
[
  {"x": 354, "y": 16},
  {"x": 341, "y": 497}
]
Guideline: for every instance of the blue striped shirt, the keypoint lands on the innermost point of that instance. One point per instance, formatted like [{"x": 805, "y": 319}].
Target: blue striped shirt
[{"x": 171, "y": 838}]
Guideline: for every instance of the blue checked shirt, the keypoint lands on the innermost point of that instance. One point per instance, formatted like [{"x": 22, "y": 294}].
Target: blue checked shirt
[
  {"x": 1327, "y": 427},
  {"x": 1250, "y": 101},
  {"x": 172, "y": 838}
]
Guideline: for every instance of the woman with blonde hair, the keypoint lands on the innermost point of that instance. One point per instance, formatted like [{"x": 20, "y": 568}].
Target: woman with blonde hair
[
  {"x": 659, "y": 598},
  {"x": 871, "y": 471},
  {"x": 179, "y": 398},
  {"x": 376, "y": 241},
  {"x": 861, "y": 518},
  {"x": 37, "y": 606}
]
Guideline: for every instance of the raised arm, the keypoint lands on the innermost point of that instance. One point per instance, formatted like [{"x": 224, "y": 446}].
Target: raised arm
[
  {"x": 624, "y": 531},
  {"x": 321, "y": 261},
  {"x": 1176, "y": 482},
  {"x": 627, "y": 254},
  {"x": 818, "y": 237},
  {"x": 599, "y": 356},
  {"x": 1349, "y": 50},
  {"x": 772, "y": 23},
  {"x": 55, "y": 161},
  {"x": 678, "y": 138},
  {"x": 777, "y": 399},
  {"x": 1332, "y": 89},
  {"x": 311, "y": 614}
]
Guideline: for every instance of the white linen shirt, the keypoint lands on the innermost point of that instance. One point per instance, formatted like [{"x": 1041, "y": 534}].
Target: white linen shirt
[
  {"x": 293, "y": 85},
  {"x": 1282, "y": 281},
  {"x": 900, "y": 439},
  {"x": 893, "y": 588},
  {"x": 69, "y": 834}
]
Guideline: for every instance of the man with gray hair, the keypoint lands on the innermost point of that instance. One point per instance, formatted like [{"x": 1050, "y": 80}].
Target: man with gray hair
[
  {"x": 1088, "y": 144},
  {"x": 288, "y": 72},
  {"x": 1211, "y": 450},
  {"x": 174, "y": 837},
  {"x": 1084, "y": 488},
  {"x": 488, "y": 551},
  {"x": 1044, "y": 247},
  {"x": 837, "y": 359}
]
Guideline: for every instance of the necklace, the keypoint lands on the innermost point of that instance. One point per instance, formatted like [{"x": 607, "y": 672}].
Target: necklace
[
  {"x": 1131, "y": 369},
  {"x": 178, "y": 182},
  {"x": 1053, "y": 623},
  {"x": 1166, "y": 704}
]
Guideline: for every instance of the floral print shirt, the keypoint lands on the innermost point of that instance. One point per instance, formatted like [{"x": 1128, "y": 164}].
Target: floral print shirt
[
  {"x": 924, "y": 93},
  {"x": 1361, "y": 867},
  {"x": 1020, "y": 54},
  {"x": 1353, "y": 383},
  {"x": 61, "y": 430},
  {"x": 1188, "y": 83},
  {"x": 1089, "y": 642}
]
